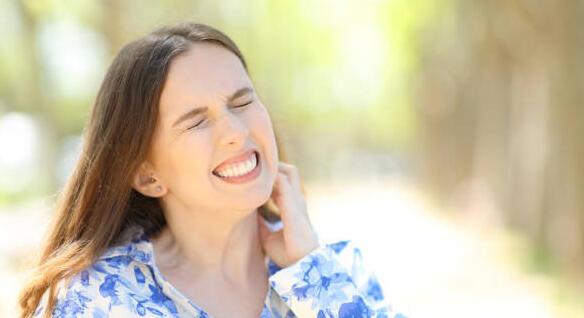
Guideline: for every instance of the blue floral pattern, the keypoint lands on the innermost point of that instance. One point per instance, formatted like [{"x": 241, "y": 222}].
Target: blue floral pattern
[{"x": 331, "y": 281}]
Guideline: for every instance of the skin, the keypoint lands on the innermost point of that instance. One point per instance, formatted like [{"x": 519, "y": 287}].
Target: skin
[{"x": 214, "y": 246}]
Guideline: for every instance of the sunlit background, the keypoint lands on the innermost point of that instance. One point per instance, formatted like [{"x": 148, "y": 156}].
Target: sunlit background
[{"x": 446, "y": 138}]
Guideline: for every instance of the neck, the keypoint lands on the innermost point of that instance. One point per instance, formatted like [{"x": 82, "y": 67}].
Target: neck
[{"x": 222, "y": 244}]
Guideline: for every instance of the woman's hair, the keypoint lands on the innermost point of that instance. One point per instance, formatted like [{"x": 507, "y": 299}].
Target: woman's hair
[{"x": 98, "y": 201}]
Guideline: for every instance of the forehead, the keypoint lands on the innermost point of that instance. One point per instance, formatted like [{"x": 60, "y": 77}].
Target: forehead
[{"x": 205, "y": 74}]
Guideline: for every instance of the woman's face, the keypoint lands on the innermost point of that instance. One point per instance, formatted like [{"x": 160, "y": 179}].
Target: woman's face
[{"x": 214, "y": 145}]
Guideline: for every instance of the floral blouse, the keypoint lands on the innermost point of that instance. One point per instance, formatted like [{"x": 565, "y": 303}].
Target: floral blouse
[{"x": 331, "y": 281}]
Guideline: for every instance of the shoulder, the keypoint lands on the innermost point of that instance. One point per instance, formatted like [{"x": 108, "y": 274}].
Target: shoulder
[
  {"x": 119, "y": 283},
  {"x": 89, "y": 293}
]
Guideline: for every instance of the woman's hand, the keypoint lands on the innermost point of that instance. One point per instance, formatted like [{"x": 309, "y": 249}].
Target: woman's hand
[{"x": 297, "y": 238}]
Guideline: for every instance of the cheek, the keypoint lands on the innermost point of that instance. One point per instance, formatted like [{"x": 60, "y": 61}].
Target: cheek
[{"x": 189, "y": 159}]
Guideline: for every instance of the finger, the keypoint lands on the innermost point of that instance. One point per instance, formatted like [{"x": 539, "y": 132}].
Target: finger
[
  {"x": 264, "y": 232},
  {"x": 283, "y": 183},
  {"x": 291, "y": 172},
  {"x": 284, "y": 198},
  {"x": 282, "y": 188}
]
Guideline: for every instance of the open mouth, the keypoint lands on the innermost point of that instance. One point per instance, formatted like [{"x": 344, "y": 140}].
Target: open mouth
[{"x": 242, "y": 168}]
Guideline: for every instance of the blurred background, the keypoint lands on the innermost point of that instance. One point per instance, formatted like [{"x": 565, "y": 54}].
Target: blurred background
[{"x": 445, "y": 137}]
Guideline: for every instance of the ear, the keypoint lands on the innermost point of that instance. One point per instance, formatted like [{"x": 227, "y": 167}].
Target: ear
[{"x": 146, "y": 182}]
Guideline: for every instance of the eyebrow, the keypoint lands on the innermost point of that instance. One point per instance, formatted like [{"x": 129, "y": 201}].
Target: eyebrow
[{"x": 195, "y": 111}]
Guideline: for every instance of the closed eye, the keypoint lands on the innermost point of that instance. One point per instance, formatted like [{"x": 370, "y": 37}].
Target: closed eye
[
  {"x": 203, "y": 120},
  {"x": 242, "y": 105},
  {"x": 197, "y": 124}
]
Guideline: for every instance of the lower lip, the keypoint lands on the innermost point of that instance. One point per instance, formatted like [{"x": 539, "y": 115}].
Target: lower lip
[{"x": 246, "y": 177}]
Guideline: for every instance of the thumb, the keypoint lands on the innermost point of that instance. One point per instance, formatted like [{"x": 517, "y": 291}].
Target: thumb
[
  {"x": 272, "y": 243},
  {"x": 264, "y": 232}
]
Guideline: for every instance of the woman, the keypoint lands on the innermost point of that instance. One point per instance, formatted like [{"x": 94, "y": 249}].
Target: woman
[{"x": 162, "y": 214}]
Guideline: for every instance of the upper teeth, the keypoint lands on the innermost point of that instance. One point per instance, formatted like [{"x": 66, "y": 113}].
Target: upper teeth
[{"x": 239, "y": 169}]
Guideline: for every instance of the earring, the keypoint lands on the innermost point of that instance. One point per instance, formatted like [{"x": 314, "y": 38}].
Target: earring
[{"x": 158, "y": 189}]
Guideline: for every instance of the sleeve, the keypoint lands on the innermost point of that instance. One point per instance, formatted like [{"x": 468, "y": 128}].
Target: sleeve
[{"x": 332, "y": 281}]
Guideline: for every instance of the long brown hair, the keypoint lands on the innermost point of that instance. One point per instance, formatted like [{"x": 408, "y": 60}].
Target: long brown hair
[{"x": 98, "y": 201}]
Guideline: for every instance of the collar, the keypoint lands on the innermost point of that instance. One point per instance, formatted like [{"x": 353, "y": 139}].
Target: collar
[{"x": 133, "y": 243}]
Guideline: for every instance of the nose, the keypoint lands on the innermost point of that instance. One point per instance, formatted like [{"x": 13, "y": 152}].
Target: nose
[{"x": 232, "y": 131}]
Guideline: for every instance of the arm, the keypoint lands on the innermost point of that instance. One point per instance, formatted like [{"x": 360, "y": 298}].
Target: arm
[
  {"x": 313, "y": 279},
  {"x": 332, "y": 281}
]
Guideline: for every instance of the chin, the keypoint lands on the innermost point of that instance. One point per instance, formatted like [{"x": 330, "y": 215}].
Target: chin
[
  {"x": 253, "y": 199},
  {"x": 259, "y": 199}
]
